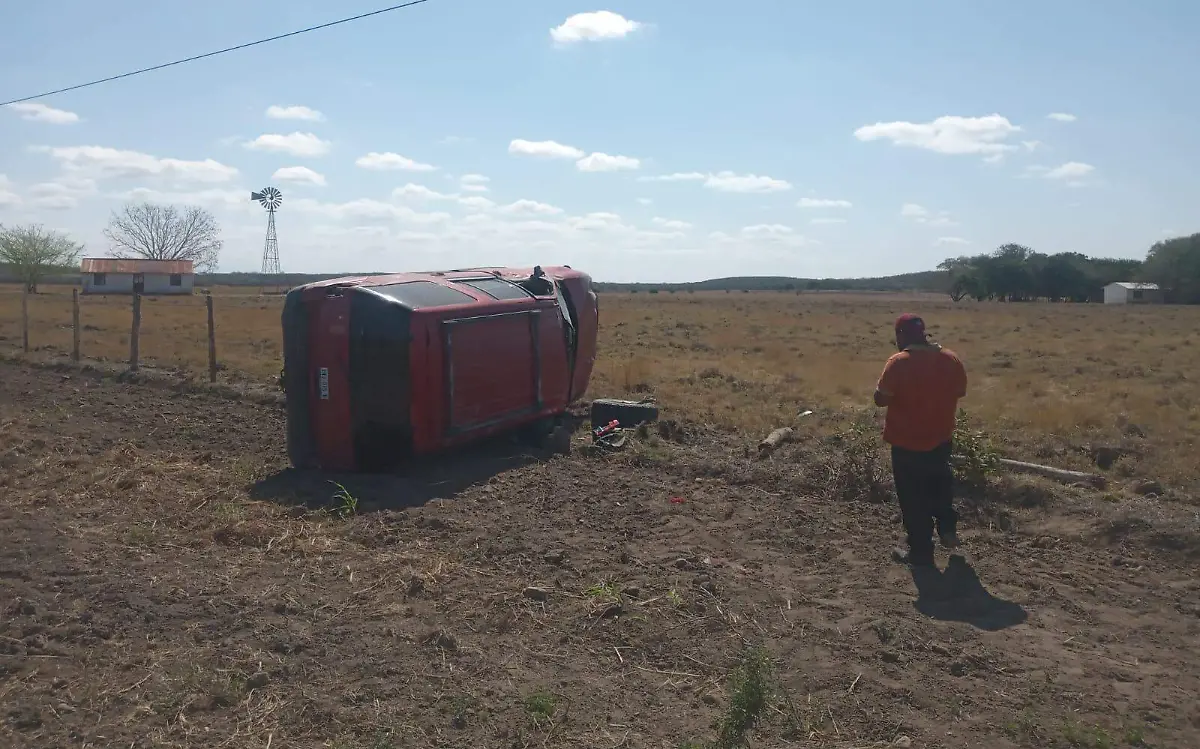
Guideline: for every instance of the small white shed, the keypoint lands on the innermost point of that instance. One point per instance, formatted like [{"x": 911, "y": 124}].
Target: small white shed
[
  {"x": 106, "y": 275},
  {"x": 1128, "y": 292}
]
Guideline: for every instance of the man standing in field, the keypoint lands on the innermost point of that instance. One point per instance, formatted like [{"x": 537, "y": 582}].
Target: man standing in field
[{"x": 920, "y": 387}]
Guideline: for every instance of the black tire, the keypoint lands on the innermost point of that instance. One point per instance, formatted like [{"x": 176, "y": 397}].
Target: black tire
[{"x": 627, "y": 413}]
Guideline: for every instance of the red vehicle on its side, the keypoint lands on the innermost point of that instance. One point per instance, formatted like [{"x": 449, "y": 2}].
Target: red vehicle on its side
[{"x": 379, "y": 368}]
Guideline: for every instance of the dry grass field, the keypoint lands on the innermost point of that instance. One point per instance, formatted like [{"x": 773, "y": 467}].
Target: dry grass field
[
  {"x": 167, "y": 581},
  {"x": 1049, "y": 382}
]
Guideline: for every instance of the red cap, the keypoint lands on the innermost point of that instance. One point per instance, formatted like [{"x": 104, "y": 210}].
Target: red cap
[{"x": 910, "y": 327}]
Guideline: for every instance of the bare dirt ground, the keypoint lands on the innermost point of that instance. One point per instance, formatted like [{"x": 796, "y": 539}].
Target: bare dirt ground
[{"x": 165, "y": 581}]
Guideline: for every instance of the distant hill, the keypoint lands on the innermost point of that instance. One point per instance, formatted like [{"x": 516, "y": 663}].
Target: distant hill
[
  {"x": 925, "y": 281},
  {"x": 936, "y": 281}
]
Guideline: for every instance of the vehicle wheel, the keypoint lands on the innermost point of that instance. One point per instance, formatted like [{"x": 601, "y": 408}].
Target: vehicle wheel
[{"x": 627, "y": 413}]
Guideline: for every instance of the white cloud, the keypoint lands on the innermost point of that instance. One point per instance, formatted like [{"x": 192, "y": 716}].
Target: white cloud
[
  {"x": 61, "y": 194},
  {"x": 296, "y": 144},
  {"x": 827, "y": 220},
  {"x": 762, "y": 237},
  {"x": 7, "y": 196},
  {"x": 65, "y": 185},
  {"x": 949, "y": 134},
  {"x": 823, "y": 203},
  {"x": 473, "y": 183},
  {"x": 1062, "y": 117},
  {"x": 676, "y": 177},
  {"x": 1072, "y": 170},
  {"x": 420, "y": 191},
  {"x": 101, "y": 161},
  {"x": 745, "y": 183},
  {"x": 531, "y": 207},
  {"x": 921, "y": 215},
  {"x": 56, "y": 203},
  {"x": 299, "y": 174},
  {"x": 544, "y": 148},
  {"x": 277, "y": 112},
  {"x": 235, "y": 200},
  {"x": 941, "y": 241},
  {"x": 594, "y": 26},
  {"x": 1072, "y": 173},
  {"x": 602, "y": 162},
  {"x": 368, "y": 209},
  {"x": 476, "y": 203},
  {"x": 1032, "y": 145},
  {"x": 595, "y": 162},
  {"x": 767, "y": 230},
  {"x": 38, "y": 112},
  {"x": 725, "y": 181},
  {"x": 645, "y": 201},
  {"x": 596, "y": 221},
  {"x": 673, "y": 224},
  {"x": 392, "y": 162}
]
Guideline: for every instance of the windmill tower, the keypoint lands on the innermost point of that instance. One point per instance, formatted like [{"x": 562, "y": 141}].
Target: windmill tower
[{"x": 270, "y": 198}]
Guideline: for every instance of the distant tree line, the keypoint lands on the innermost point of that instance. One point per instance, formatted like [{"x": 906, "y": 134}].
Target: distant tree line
[
  {"x": 1015, "y": 273},
  {"x": 921, "y": 281}
]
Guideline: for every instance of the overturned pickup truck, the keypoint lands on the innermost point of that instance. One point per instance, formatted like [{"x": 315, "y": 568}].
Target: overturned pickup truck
[{"x": 384, "y": 367}]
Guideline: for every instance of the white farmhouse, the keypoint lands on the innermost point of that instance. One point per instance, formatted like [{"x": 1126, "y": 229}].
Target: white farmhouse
[
  {"x": 105, "y": 275},
  {"x": 1127, "y": 292}
]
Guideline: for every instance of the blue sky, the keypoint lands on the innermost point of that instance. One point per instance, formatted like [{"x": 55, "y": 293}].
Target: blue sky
[{"x": 644, "y": 140}]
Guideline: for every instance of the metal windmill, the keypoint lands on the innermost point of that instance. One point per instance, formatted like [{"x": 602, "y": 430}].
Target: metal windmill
[{"x": 270, "y": 198}]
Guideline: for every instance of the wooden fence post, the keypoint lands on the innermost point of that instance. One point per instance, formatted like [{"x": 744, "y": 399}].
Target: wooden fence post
[
  {"x": 75, "y": 324},
  {"x": 136, "y": 332},
  {"x": 212, "y": 340},
  {"x": 25, "y": 317}
]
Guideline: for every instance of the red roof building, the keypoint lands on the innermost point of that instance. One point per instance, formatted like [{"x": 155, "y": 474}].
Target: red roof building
[{"x": 107, "y": 275}]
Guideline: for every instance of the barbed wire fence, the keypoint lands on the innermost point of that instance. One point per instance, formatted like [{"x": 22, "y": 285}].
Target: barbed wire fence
[{"x": 104, "y": 323}]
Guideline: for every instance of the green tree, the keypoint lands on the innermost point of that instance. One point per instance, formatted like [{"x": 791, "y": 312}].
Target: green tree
[
  {"x": 1015, "y": 273},
  {"x": 33, "y": 252},
  {"x": 1174, "y": 264}
]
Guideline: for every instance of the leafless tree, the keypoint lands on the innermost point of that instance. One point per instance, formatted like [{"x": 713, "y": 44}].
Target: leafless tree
[
  {"x": 32, "y": 252},
  {"x": 165, "y": 232}
]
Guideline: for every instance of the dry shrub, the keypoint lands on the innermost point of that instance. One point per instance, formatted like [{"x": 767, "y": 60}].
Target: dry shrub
[{"x": 855, "y": 465}]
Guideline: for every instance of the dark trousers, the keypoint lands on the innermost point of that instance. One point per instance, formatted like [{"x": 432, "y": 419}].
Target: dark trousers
[{"x": 925, "y": 490}]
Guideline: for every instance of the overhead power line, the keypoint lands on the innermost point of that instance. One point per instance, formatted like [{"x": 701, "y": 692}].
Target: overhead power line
[{"x": 219, "y": 51}]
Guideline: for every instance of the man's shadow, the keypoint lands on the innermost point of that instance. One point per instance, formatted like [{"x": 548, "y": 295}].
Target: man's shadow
[{"x": 958, "y": 595}]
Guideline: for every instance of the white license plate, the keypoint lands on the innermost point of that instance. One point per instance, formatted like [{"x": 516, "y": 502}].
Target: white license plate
[{"x": 323, "y": 382}]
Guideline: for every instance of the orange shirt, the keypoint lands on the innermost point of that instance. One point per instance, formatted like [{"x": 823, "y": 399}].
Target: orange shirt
[{"x": 925, "y": 383}]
